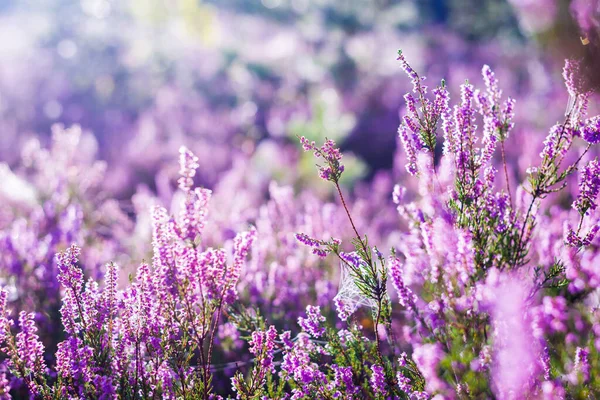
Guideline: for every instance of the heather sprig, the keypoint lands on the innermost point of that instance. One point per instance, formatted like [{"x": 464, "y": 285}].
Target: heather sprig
[
  {"x": 589, "y": 186},
  {"x": 366, "y": 265},
  {"x": 332, "y": 170},
  {"x": 418, "y": 130}
]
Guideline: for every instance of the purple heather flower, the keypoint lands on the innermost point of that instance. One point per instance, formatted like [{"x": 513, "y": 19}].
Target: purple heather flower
[
  {"x": 69, "y": 274},
  {"x": 4, "y": 387},
  {"x": 464, "y": 131},
  {"x": 105, "y": 387},
  {"x": 345, "y": 336},
  {"x": 412, "y": 74},
  {"x": 545, "y": 362},
  {"x": 297, "y": 363},
  {"x": 591, "y": 130},
  {"x": 550, "y": 317},
  {"x": 343, "y": 378},
  {"x": 5, "y": 322},
  {"x": 192, "y": 216},
  {"x": 330, "y": 153},
  {"x": 319, "y": 252},
  {"x": 571, "y": 75},
  {"x": 405, "y": 296},
  {"x": 491, "y": 83},
  {"x": 285, "y": 338},
  {"x": 242, "y": 244},
  {"x": 485, "y": 357},
  {"x": 30, "y": 350},
  {"x": 589, "y": 187},
  {"x": 70, "y": 277},
  {"x": 307, "y": 240},
  {"x": 557, "y": 142},
  {"x": 378, "y": 379},
  {"x": 442, "y": 101},
  {"x": 344, "y": 309},
  {"x": 188, "y": 163},
  {"x": 402, "y": 359},
  {"x": 410, "y": 149},
  {"x": 109, "y": 295},
  {"x": 307, "y": 145},
  {"x": 411, "y": 106},
  {"x": 352, "y": 259},
  {"x": 403, "y": 382},
  {"x": 582, "y": 363},
  {"x": 576, "y": 240},
  {"x": 75, "y": 360},
  {"x": 312, "y": 322},
  {"x": 487, "y": 151},
  {"x": 262, "y": 345}
]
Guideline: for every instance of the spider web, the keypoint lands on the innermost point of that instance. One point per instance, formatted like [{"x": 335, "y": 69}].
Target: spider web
[{"x": 349, "y": 295}]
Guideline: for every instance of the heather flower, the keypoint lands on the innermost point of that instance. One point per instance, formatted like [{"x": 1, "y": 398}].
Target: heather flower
[
  {"x": 188, "y": 163},
  {"x": 30, "y": 351},
  {"x": 497, "y": 118},
  {"x": 262, "y": 345},
  {"x": 241, "y": 247},
  {"x": 589, "y": 187},
  {"x": 71, "y": 278},
  {"x": 582, "y": 363},
  {"x": 405, "y": 296},
  {"x": 578, "y": 240},
  {"x": 409, "y": 148},
  {"x": 572, "y": 77},
  {"x": 412, "y": 74},
  {"x": 331, "y": 155},
  {"x": 378, "y": 379},
  {"x": 307, "y": 240},
  {"x": 591, "y": 130},
  {"x": 312, "y": 322},
  {"x": 297, "y": 364},
  {"x": 192, "y": 217},
  {"x": 550, "y": 317},
  {"x": 344, "y": 308},
  {"x": 485, "y": 357},
  {"x": 5, "y": 322},
  {"x": 285, "y": 338},
  {"x": 343, "y": 380},
  {"x": 4, "y": 387},
  {"x": 403, "y": 382},
  {"x": 315, "y": 244},
  {"x": 557, "y": 143},
  {"x": 345, "y": 336}
]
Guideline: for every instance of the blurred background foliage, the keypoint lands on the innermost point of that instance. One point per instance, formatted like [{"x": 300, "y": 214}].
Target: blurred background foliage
[{"x": 234, "y": 79}]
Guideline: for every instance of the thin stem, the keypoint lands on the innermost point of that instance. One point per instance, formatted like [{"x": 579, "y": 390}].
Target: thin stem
[
  {"x": 518, "y": 251},
  {"x": 580, "y": 224},
  {"x": 506, "y": 173},
  {"x": 337, "y": 185},
  {"x": 587, "y": 148}
]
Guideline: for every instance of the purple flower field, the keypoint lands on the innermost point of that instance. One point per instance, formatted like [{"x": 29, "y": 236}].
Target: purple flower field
[{"x": 235, "y": 199}]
